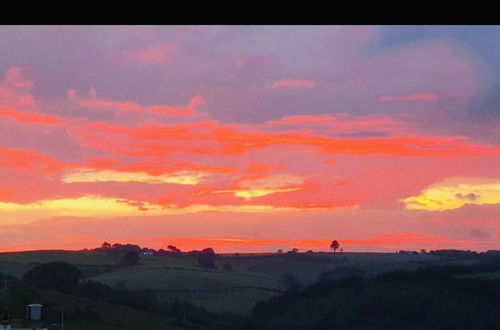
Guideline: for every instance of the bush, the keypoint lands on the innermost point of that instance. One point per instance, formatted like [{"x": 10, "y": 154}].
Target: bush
[
  {"x": 130, "y": 258},
  {"x": 59, "y": 276},
  {"x": 207, "y": 258}
]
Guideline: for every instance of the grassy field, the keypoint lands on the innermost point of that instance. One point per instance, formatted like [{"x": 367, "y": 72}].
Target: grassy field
[
  {"x": 251, "y": 279},
  {"x": 234, "y": 292},
  {"x": 17, "y": 263},
  {"x": 308, "y": 268},
  {"x": 74, "y": 257},
  {"x": 233, "y": 287},
  {"x": 111, "y": 316}
]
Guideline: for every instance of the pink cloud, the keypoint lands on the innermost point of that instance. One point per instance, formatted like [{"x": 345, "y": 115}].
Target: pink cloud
[
  {"x": 303, "y": 119},
  {"x": 14, "y": 102},
  {"x": 344, "y": 124},
  {"x": 239, "y": 62},
  {"x": 295, "y": 83},
  {"x": 12, "y": 88},
  {"x": 189, "y": 109},
  {"x": 16, "y": 77},
  {"x": 71, "y": 93},
  {"x": 410, "y": 97},
  {"x": 365, "y": 162},
  {"x": 154, "y": 54},
  {"x": 129, "y": 106},
  {"x": 12, "y": 98}
]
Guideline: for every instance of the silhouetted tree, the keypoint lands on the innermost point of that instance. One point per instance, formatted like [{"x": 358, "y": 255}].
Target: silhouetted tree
[
  {"x": 59, "y": 276},
  {"x": 335, "y": 245},
  {"x": 208, "y": 250},
  {"x": 130, "y": 258},
  {"x": 106, "y": 246},
  {"x": 173, "y": 249},
  {"x": 207, "y": 258}
]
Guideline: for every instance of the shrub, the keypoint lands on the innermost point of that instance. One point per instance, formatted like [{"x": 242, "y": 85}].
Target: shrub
[{"x": 59, "y": 276}]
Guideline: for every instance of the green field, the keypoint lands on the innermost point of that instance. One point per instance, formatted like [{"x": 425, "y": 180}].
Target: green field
[
  {"x": 112, "y": 316},
  {"x": 233, "y": 287},
  {"x": 487, "y": 276},
  {"x": 17, "y": 263}
]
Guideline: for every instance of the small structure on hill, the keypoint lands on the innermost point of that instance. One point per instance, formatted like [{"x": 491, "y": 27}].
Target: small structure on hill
[{"x": 34, "y": 312}]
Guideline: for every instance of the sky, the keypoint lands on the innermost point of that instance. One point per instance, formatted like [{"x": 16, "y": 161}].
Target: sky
[{"x": 250, "y": 138}]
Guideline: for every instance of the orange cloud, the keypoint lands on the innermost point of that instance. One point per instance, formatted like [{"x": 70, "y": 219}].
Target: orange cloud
[
  {"x": 28, "y": 160},
  {"x": 30, "y": 117},
  {"x": 5, "y": 193},
  {"x": 212, "y": 138},
  {"x": 258, "y": 171}
]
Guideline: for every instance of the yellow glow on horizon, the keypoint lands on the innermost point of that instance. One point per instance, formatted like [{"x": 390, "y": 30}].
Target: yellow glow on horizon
[
  {"x": 230, "y": 208},
  {"x": 252, "y": 193},
  {"x": 82, "y": 206},
  {"x": 280, "y": 183},
  {"x": 106, "y": 207},
  {"x": 184, "y": 177},
  {"x": 452, "y": 195}
]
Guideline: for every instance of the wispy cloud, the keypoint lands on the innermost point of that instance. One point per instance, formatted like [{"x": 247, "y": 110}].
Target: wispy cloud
[
  {"x": 295, "y": 83},
  {"x": 425, "y": 97},
  {"x": 154, "y": 54}
]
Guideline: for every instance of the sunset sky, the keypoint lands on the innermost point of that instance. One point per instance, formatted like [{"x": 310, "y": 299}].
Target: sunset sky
[{"x": 250, "y": 138}]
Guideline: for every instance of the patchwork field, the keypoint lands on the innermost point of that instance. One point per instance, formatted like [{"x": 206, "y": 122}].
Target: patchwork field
[
  {"x": 234, "y": 286},
  {"x": 17, "y": 263}
]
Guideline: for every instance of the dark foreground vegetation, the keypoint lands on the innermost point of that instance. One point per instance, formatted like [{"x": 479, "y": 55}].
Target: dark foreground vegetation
[
  {"x": 429, "y": 298},
  {"x": 461, "y": 290}
]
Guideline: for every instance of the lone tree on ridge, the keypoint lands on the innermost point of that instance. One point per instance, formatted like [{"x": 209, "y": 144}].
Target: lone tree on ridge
[{"x": 335, "y": 245}]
